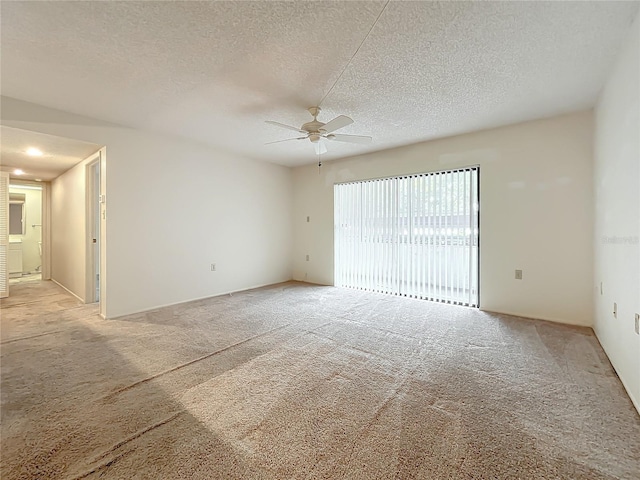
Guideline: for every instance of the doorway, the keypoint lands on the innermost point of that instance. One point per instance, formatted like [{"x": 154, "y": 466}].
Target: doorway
[
  {"x": 71, "y": 175},
  {"x": 25, "y": 255}
]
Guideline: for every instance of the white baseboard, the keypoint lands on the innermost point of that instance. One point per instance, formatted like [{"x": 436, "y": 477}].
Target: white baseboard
[
  {"x": 65, "y": 288},
  {"x": 538, "y": 317},
  {"x": 626, "y": 387},
  {"x": 634, "y": 401},
  {"x": 231, "y": 292}
]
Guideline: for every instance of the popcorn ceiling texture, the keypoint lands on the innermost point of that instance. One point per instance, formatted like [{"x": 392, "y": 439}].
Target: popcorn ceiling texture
[
  {"x": 297, "y": 381},
  {"x": 214, "y": 71}
]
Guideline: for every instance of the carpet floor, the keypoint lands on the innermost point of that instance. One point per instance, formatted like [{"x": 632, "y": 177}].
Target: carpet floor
[{"x": 296, "y": 381}]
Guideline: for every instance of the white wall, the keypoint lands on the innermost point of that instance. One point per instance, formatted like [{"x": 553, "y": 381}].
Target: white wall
[
  {"x": 33, "y": 215},
  {"x": 617, "y": 214},
  {"x": 68, "y": 230},
  {"x": 174, "y": 207},
  {"x": 536, "y": 211}
]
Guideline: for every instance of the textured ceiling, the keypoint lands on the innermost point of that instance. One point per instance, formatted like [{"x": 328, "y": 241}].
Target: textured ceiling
[
  {"x": 215, "y": 71},
  {"x": 59, "y": 154}
]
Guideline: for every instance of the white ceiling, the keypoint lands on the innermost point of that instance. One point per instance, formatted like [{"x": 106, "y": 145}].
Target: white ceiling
[
  {"x": 59, "y": 154},
  {"x": 215, "y": 71}
]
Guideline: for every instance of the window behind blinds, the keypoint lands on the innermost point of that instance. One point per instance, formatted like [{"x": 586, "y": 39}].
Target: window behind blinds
[
  {"x": 414, "y": 235},
  {"x": 4, "y": 234}
]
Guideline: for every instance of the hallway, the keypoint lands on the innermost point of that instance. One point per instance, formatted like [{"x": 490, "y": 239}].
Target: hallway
[{"x": 33, "y": 306}]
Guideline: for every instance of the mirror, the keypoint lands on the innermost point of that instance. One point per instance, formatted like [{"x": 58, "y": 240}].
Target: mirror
[{"x": 16, "y": 214}]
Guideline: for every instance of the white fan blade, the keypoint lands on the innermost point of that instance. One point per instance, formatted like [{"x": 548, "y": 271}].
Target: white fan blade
[
  {"x": 286, "y": 140},
  {"x": 320, "y": 147},
  {"x": 350, "y": 138},
  {"x": 336, "y": 123},
  {"x": 289, "y": 127}
]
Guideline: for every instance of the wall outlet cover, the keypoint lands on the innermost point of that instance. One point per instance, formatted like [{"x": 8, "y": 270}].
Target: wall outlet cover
[{"x": 518, "y": 274}]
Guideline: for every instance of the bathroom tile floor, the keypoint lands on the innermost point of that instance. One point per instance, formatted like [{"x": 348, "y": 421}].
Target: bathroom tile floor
[{"x": 26, "y": 277}]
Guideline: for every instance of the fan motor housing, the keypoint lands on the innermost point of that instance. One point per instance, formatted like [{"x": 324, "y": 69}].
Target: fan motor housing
[{"x": 312, "y": 127}]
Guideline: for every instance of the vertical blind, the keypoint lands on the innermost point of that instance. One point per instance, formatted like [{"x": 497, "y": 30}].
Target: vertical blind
[
  {"x": 414, "y": 235},
  {"x": 4, "y": 234}
]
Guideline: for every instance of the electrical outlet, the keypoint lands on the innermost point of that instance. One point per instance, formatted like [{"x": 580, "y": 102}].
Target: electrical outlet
[
  {"x": 638, "y": 323},
  {"x": 615, "y": 310},
  {"x": 518, "y": 274},
  {"x": 307, "y": 258},
  {"x": 213, "y": 267},
  {"x": 308, "y": 218}
]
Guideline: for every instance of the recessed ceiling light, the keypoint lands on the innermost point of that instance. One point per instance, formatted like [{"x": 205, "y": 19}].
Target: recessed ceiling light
[
  {"x": 38, "y": 179},
  {"x": 17, "y": 171},
  {"x": 34, "y": 152}
]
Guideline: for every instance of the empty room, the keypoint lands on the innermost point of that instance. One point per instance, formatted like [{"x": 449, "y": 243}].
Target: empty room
[{"x": 320, "y": 239}]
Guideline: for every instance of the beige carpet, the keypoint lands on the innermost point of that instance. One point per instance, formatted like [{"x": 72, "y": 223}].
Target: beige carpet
[{"x": 305, "y": 382}]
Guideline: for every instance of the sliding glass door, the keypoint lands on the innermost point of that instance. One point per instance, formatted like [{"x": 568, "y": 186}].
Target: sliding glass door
[{"x": 415, "y": 235}]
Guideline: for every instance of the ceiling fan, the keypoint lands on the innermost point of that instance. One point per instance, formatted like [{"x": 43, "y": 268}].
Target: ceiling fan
[{"x": 316, "y": 132}]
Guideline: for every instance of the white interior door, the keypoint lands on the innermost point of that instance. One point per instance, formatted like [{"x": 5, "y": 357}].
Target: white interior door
[
  {"x": 93, "y": 231},
  {"x": 4, "y": 234},
  {"x": 94, "y": 206}
]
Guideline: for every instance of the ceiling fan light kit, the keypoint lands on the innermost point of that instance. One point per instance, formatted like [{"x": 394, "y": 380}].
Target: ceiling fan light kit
[{"x": 316, "y": 131}]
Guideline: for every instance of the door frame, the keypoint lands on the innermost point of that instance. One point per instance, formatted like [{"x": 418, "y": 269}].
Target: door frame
[
  {"x": 92, "y": 238},
  {"x": 95, "y": 207},
  {"x": 46, "y": 231}
]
